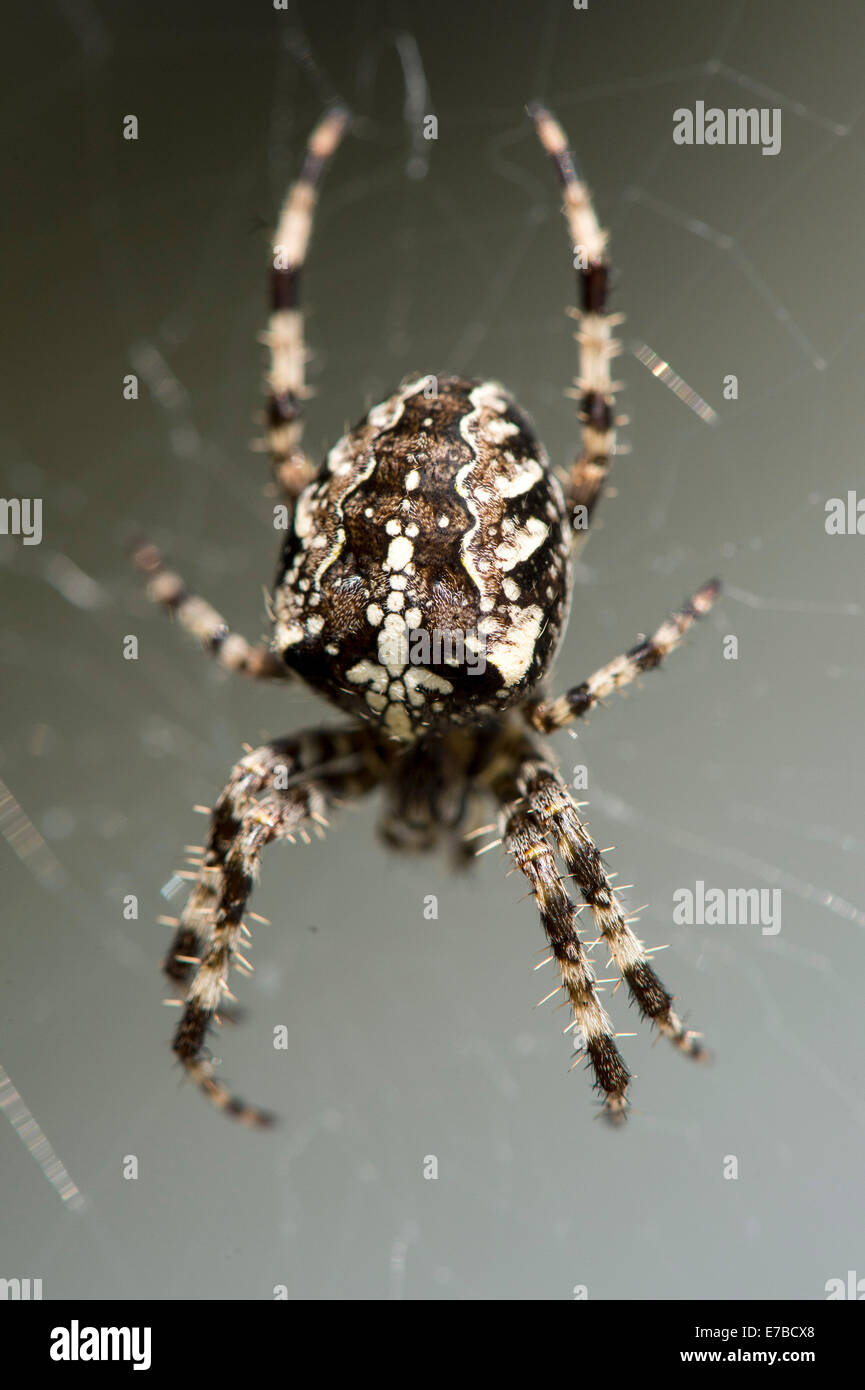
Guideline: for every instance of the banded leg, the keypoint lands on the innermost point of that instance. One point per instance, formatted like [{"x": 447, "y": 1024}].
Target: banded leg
[
  {"x": 286, "y": 377},
  {"x": 556, "y": 812},
  {"x": 594, "y": 387},
  {"x": 204, "y": 623},
  {"x": 525, "y": 841},
  {"x": 296, "y": 781},
  {"x": 548, "y": 715},
  {"x": 247, "y": 780}
]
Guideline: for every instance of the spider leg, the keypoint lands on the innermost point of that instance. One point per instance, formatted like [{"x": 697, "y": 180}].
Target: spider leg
[
  {"x": 197, "y": 616},
  {"x": 525, "y": 839},
  {"x": 553, "y": 805},
  {"x": 286, "y": 377},
  {"x": 548, "y": 715},
  {"x": 272, "y": 793},
  {"x": 247, "y": 780},
  {"x": 547, "y": 812},
  {"x": 594, "y": 388}
]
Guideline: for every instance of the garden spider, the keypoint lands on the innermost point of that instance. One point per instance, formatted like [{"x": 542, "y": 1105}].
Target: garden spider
[{"x": 437, "y": 517}]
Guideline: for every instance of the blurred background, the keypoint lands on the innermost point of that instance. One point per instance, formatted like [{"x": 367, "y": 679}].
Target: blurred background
[{"x": 408, "y": 1037}]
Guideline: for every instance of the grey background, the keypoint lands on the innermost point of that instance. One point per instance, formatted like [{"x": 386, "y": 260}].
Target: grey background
[{"x": 410, "y": 1037}]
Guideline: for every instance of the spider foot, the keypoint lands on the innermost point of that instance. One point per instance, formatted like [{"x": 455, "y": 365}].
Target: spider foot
[
  {"x": 189, "y": 1044},
  {"x": 685, "y": 1039},
  {"x": 614, "y": 1111}
]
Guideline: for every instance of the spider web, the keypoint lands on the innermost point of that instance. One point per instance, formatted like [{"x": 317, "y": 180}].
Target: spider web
[{"x": 448, "y": 255}]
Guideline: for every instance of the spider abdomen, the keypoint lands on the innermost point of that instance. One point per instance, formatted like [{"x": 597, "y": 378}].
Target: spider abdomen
[{"x": 426, "y": 576}]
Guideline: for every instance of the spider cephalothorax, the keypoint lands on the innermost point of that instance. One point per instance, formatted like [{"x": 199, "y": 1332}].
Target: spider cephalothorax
[
  {"x": 425, "y": 579},
  {"x": 423, "y": 588}
]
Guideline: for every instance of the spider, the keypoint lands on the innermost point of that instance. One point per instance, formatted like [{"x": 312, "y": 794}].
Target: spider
[{"x": 423, "y": 588}]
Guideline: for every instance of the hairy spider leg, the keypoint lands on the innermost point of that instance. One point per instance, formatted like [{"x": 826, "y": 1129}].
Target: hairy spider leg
[{"x": 295, "y": 781}]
